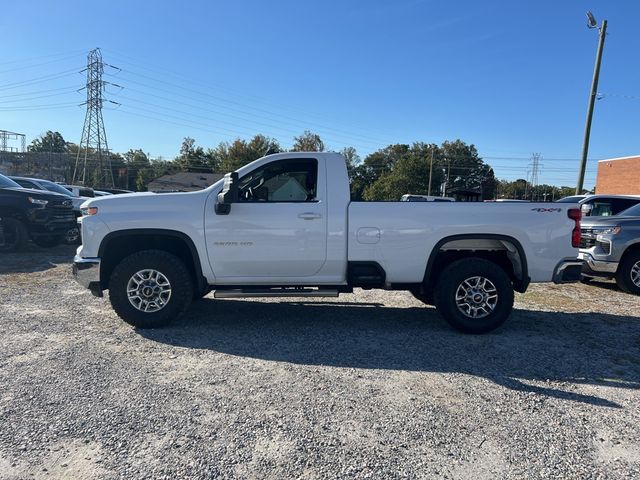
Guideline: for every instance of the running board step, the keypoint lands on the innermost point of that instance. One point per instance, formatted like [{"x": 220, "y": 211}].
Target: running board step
[{"x": 274, "y": 292}]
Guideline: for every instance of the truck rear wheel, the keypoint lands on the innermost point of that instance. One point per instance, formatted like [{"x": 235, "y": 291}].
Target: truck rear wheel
[
  {"x": 14, "y": 235},
  {"x": 474, "y": 295},
  {"x": 149, "y": 289},
  {"x": 628, "y": 274}
]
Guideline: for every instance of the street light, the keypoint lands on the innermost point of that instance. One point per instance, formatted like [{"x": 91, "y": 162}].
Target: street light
[{"x": 591, "y": 23}]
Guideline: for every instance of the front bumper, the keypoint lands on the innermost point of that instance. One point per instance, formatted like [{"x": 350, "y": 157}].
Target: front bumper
[
  {"x": 600, "y": 267},
  {"x": 86, "y": 271},
  {"x": 568, "y": 271}
]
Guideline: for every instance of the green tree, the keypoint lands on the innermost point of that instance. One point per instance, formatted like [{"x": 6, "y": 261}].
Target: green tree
[
  {"x": 138, "y": 166},
  {"x": 399, "y": 169},
  {"x": 48, "y": 142},
  {"x": 515, "y": 189},
  {"x": 489, "y": 185},
  {"x": 228, "y": 157},
  {"x": 462, "y": 166},
  {"x": 145, "y": 175},
  {"x": 192, "y": 158},
  {"x": 308, "y": 142}
]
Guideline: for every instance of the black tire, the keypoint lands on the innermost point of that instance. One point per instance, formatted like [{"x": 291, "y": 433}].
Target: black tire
[
  {"x": 628, "y": 274},
  {"x": 491, "y": 311},
  {"x": 426, "y": 298},
  {"x": 47, "y": 241},
  {"x": 14, "y": 235},
  {"x": 174, "y": 272},
  {"x": 197, "y": 295}
]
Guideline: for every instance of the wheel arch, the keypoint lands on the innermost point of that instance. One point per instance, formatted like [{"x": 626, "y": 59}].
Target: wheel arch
[
  {"x": 122, "y": 243},
  {"x": 633, "y": 247},
  {"x": 453, "y": 247}
]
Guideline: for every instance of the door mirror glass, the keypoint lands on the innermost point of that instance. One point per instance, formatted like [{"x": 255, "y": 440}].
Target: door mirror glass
[{"x": 228, "y": 194}]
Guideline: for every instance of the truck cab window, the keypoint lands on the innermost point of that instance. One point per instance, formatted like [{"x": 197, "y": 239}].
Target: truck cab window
[{"x": 282, "y": 181}]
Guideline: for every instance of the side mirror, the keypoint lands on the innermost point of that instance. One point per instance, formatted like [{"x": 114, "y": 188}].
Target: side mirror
[
  {"x": 228, "y": 194},
  {"x": 586, "y": 209}
]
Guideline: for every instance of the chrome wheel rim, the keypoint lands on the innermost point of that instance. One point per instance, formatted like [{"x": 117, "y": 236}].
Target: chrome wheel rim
[
  {"x": 476, "y": 297},
  {"x": 148, "y": 290},
  {"x": 635, "y": 274}
]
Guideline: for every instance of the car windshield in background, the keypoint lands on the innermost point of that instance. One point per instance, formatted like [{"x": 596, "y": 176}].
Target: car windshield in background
[
  {"x": 574, "y": 199},
  {"x": 54, "y": 187},
  {"x": 630, "y": 212},
  {"x": 8, "y": 183}
]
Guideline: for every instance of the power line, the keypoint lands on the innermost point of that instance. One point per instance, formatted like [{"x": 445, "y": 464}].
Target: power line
[
  {"x": 268, "y": 115},
  {"x": 38, "y": 107},
  {"x": 39, "y": 96},
  {"x": 40, "y": 57},
  {"x": 152, "y": 68},
  {"x": 33, "y": 81},
  {"x": 72, "y": 87},
  {"x": 40, "y": 64}
]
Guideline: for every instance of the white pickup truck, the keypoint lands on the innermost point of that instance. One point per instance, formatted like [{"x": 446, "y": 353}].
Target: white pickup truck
[{"x": 284, "y": 226}]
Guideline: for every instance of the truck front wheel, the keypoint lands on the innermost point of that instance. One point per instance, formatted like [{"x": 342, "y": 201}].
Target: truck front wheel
[
  {"x": 149, "y": 289},
  {"x": 628, "y": 275},
  {"x": 14, "y": 235},
  {"x": 474, "y": 295}
]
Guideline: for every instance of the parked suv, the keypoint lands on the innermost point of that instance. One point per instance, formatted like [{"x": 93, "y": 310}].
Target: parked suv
[
  {"x": 73, "y": 235},
  {"x": 610, "y": 248},
  {"x": 26, "y": 214},
  {"x": 602, "y": 205}
]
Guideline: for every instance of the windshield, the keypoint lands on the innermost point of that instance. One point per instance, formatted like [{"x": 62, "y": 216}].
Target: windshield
[
  {"x": 7, "y": 182},
  {"x": 573, "y": 199},
  {"x": 54, "y": 187},
  {"x": 631, "y": 212}
]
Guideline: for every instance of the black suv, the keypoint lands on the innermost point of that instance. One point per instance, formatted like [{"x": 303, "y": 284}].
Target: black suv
[{"x": 44, "y": 218}]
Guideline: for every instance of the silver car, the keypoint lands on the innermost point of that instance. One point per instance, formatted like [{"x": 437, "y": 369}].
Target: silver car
[{"x": 610, "y": 248}]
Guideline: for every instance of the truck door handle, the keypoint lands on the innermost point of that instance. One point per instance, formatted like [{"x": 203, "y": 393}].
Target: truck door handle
[{"x": 309, "y": 215}]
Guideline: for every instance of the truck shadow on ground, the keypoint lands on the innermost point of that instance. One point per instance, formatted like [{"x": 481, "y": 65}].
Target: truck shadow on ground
[
  {"x": 35, "y": 259},
  {"x": 583, "y": 348}
]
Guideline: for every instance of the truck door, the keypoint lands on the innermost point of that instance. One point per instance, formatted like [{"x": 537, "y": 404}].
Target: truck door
[{"x": 278, "y": 228}]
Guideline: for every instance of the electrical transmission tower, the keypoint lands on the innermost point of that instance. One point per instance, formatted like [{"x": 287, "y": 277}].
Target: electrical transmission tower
[
  {"x": 5, "y": 136},
  {"x": 535, "y": 168},
  {"x": 93, "y": 152}
]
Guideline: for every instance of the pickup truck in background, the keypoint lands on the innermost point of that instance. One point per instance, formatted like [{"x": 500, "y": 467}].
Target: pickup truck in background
[
  {"x": 43, "y": 217},
  {"x": 284, "y": 226},
  {"x": 601, "y": 205},
  {"x": 610, "y": 248}
]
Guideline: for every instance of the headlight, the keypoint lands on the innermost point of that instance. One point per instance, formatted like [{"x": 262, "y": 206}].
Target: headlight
[
  {"x": 89, "y": 211},
  {"x": 37, "y": 201},
  {"x": 608, "y": 230}
]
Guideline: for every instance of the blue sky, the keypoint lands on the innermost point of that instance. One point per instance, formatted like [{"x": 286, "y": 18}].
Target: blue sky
[{"x": 510, "y": 77}]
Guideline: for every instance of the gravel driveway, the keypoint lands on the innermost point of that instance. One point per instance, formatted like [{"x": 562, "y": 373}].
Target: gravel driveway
[{"x": 370, "y": 385}]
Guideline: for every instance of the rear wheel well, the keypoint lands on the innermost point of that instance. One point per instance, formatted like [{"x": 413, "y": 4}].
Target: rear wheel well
[
  {"x": 115, "y": 249},
  {"x": 502, "y": 251}
]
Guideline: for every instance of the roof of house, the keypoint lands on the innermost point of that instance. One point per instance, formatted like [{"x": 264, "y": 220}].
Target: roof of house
[
  {"x": 619, "y": 158},
  {"x": 184, "y": 182}
]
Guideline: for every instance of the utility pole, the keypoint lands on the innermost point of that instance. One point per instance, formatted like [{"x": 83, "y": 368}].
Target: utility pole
[
  {"x": 430, "y": 171},
  {"x": 94, "y": 138},
  {"x": 592, "y": 98},
  {"x": 446, "y": 182}
]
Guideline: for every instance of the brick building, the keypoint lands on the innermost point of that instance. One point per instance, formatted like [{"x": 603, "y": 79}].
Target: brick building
[{"x": 619, "y": 176}]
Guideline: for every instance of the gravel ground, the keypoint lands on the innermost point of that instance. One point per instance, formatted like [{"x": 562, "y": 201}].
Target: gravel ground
[{"x": 370, "y": 385}]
